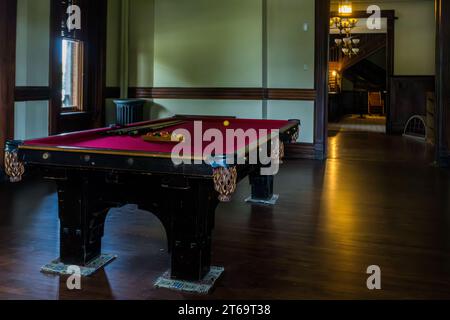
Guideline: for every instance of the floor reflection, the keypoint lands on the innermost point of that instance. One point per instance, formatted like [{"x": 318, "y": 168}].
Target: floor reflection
[{"x": 95, "y": 287}]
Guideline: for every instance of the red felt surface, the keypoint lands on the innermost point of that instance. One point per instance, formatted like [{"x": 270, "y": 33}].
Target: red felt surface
[{"x": 92, "y": 139}]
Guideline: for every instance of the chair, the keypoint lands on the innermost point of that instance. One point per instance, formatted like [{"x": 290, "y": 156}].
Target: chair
[{"x": 376, "y": 102}]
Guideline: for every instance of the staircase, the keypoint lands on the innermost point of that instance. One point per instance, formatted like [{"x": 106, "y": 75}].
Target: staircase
[
  {"x": 369, "y": 44},
  {"x": 366, "y": 74}
]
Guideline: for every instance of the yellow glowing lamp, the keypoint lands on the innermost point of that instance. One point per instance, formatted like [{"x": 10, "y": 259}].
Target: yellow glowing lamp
[
  {"x": 336, "y": 20},
  {"x": 345, "y": 8},
  {"x": 353, "y": 21}
]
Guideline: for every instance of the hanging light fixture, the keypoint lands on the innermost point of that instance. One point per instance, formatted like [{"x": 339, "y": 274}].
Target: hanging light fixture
[
  {"x": 345, "y": 24},
  {"x": 345, "y": 7}
]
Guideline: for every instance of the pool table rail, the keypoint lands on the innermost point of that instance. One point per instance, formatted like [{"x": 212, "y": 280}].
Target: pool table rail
[{"x": 18, "y": 154}]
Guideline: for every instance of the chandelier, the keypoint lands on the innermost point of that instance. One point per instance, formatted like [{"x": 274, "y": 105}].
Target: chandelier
[
  {"x": 349, "y": 46},
  {"x": 345, "y": 24}
]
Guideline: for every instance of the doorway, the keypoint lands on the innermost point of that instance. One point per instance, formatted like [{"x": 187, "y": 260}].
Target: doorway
[
  {"x": 411, "y": 89},
  {"x": 361, "y": 86},
  {"x": 360, "y": 67},
  {"x": 358, "y": 89}
]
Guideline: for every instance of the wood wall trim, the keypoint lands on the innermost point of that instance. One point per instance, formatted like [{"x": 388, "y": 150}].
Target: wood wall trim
[
  {"x": 322, "y": 51},
  {"x": 309, "y": 151},
  {"x": 32, "y": 94},
  {"x": 291, "y": 94},
  {"x": 198, "y": 93},
  {"x": 265, "y": 55},
  {"x": 55, "y": 68},
  {"x": 390, "y": 67},
  {"x": 216, "y": 93},
  {"x": 8, "y": 21},
  {"x": 208, "y": 93},
  {"x": 97, "y": 23}
]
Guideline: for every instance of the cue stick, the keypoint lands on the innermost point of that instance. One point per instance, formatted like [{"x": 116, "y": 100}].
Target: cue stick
[{"x": 138, "y": 130}]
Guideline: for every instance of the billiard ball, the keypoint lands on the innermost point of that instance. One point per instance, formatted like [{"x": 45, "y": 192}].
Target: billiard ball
[
  {"x": 179, "y": 138},
  {"x": 226, "y": 123}
]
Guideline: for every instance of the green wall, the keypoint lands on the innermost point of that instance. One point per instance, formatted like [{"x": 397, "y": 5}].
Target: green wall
[
  {"x": 32, "y": 65},
  {"x": 290, "y": 48},
  {"x": 415, "y": 32},
  {"x": 290, "y": 59},
  {"x": 245, "y": 109},
  {"x": 201, "y": 43},
  {"x": 33, "y": 41},
  {"x": 415, "y": 36},
  {"x": 216, "y": 43},
  {"x": 141, "y": 46},
  {"x": 30, "y": 120},
  {"x": 302, "y": 110}
]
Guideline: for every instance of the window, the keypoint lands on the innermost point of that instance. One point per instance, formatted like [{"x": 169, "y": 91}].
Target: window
[{"x": 72, "y": 75}]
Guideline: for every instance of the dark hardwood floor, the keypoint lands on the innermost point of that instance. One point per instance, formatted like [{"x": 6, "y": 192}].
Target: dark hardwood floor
[{"x": 376, "y": 201}]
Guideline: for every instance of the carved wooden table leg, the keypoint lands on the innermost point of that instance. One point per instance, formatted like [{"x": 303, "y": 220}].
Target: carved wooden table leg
[
  {"x": 13, "y": 167},
  {"x": 277, "y": 151},
  {"x": 225, "y": 181}
]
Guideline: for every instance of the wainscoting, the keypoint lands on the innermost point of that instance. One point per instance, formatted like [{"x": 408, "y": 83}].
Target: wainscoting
[
  {"x": 408, "y": 98},
  {"x": 216, "y": 93}
]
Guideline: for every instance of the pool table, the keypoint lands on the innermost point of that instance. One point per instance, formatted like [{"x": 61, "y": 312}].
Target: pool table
[{"x": 99, "y": 169}]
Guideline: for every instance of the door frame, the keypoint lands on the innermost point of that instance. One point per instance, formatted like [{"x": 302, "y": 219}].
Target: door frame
[
  {"x": 322, "y": 33},
  {"x": 442, "y": 115},
  {"x": 8, "y": 27}
]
